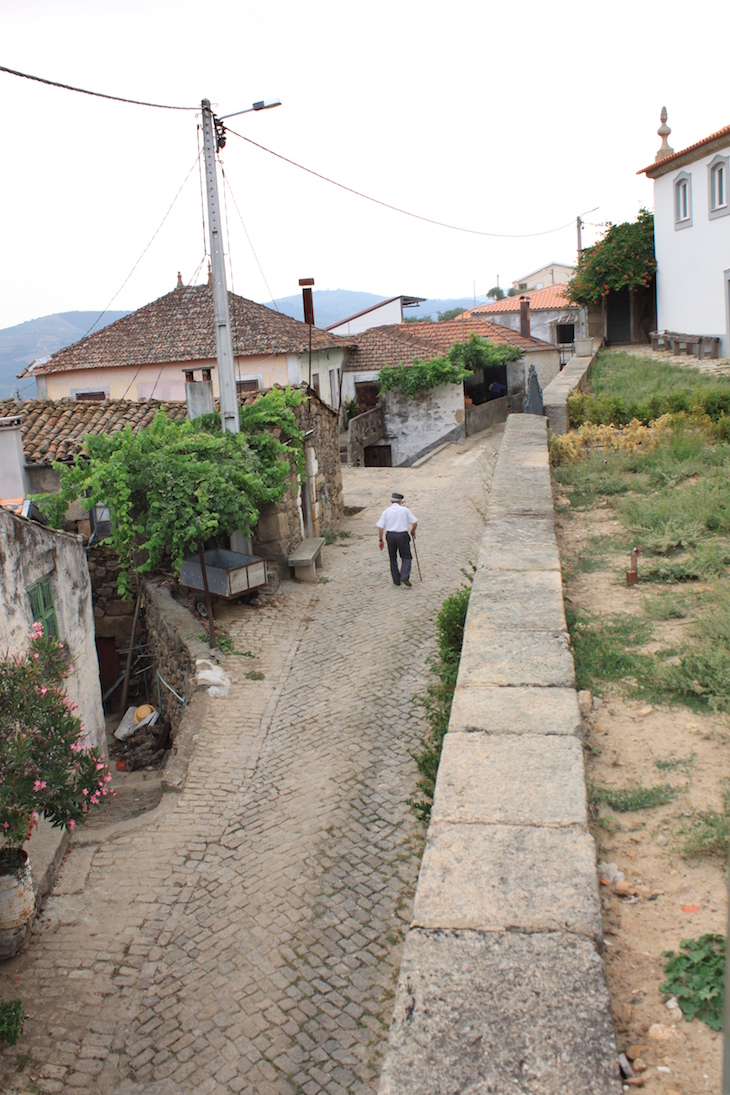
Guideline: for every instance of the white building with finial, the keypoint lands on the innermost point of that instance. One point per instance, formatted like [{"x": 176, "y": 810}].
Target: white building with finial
[{"x": 692, "y": 235}]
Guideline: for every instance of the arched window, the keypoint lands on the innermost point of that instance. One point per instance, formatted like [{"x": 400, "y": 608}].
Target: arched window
[
  {"x": 717, "y": 178},
  {"x": 683, "y": 200}
]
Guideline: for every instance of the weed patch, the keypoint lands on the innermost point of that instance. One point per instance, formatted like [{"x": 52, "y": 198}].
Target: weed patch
[
  {"x": 696, "y": 976},
  {"x": 439, "y": 695},
  {"x": 11, "y": 1021},
  {"x": 624, "y": 387},
  {"x": 709, "y": 831},
  {"x": 604, "y": 648},
  {"x": 636, "y": 797}
]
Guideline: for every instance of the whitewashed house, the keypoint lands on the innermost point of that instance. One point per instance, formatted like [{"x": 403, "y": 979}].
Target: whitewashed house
[
  {"x": 692, "y": 236},
  {"x": 388, "y": 312}
]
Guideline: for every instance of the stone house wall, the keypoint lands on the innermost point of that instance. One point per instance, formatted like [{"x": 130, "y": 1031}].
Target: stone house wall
[
  {"x": 317, "y": 504},
  {"x": 30, "y": 552},
  {"x": 415, "y": 426}
]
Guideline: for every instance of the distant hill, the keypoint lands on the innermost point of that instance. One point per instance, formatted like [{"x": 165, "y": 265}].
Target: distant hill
[
  {"x": 333, "y": 305},
  {"x": 22, "y": 344}
]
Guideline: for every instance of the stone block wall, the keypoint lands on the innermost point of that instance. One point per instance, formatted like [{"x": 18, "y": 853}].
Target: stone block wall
[
  {"x": 112, "y": 616},
  {"x": 172, "y": 635},
  {"x": 555, "y": 395},
  {"x": 281, "y": 525},
  {"x": 502, "y": 986}
]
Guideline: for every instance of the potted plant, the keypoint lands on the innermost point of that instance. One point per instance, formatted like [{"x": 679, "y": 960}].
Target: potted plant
[{"x": 46, "y": 767}]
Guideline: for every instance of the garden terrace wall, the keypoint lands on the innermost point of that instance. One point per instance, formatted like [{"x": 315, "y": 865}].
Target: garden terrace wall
[
  {"x": 502, "y": 986},
  {"x": 555, "y": 395}
]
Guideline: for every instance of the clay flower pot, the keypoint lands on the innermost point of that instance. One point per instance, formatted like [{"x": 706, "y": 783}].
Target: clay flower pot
[{"x": 17, "y": 902}]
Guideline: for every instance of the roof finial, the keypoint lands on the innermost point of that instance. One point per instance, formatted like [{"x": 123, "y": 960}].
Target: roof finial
[
  {"x": 179, "y": 280},
  {"x": 663, "y": 132},
  {"x": 210, "y": 274}
]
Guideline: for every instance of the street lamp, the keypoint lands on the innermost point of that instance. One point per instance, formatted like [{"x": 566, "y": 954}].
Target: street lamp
[{"x": 213, "y": 140}]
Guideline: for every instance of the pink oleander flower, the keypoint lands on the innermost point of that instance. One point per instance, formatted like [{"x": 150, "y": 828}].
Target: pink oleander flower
[
  {"x": 39, "y": 785},
  {"x": 72, "y": 824},
  {"x": 85, "y": 791},
  {"x": 100, "y": 765}
]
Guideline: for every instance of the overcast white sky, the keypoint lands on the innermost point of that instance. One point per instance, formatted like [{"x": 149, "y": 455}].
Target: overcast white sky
[{"x": 504, "y": 117}]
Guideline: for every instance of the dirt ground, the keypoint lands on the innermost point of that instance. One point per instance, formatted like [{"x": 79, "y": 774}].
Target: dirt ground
[{"x": 667, "y": 897}]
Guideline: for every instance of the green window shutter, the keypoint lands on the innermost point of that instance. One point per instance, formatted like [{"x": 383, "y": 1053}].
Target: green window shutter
[{"x": 42, "y": 606}]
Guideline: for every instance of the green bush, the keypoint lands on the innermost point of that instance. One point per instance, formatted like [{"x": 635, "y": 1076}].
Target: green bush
[
  {"x": 439, "y": 695},
  {"x": 624, "y": 387},
  {"x": 696, "y": 976},
  {"x": 463, "y": 359},
  {"x": 11, "y": 1021}
]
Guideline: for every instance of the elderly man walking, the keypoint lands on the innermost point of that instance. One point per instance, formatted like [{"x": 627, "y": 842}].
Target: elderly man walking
[{"x": 394, "y": 522}]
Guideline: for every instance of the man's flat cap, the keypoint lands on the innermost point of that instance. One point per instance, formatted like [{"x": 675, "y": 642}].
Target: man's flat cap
[{"x": 395, "y": 497}]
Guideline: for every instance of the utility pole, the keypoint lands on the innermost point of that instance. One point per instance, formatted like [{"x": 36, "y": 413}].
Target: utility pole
[
  {"x": 579, "y": 225},
  {"x": 212, "y": 139}
]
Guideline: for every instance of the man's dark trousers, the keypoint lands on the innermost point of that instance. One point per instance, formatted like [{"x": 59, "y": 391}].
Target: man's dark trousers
[{"x": 399, "y": 543}]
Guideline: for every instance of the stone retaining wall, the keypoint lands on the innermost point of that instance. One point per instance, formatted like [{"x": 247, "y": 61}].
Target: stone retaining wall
[
  {"x": 502, "y": 985},
  {"x": 555, "y": 395},
  {"x": 173, "y": 638}
]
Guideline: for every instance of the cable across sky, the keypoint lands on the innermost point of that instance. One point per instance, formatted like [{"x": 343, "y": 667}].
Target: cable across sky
[
  {"x": 397, "y": 209},
  {"x": 302, "y": 167},
  {"x": 96, "y": 94}
]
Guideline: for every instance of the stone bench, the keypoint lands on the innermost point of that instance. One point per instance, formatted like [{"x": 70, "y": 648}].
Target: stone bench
[
  {"x": 306, "y": 559},
  {"x": 701, "y": 346}
]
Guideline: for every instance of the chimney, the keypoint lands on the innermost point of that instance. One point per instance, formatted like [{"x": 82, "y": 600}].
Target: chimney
[
  {"x": 663, "y": 131},
  {"x": 199, "y": 393},
  {"x": 13, "y": 476},
  {"x": 525, "y": 316},
  {"x": 179, "y": 280}
]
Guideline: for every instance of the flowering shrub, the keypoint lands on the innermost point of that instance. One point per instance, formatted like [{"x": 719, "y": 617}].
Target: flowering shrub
[
  {"x": 46, "y": 766},
  {"x": 623, "y": 259}
]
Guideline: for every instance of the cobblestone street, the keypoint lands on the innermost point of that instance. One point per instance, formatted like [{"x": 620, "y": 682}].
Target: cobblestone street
[{"x": 246, "y": 935}]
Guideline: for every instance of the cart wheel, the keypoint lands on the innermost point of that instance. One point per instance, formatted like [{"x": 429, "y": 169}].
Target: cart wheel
[
  {"x": 201, "y": 607},
  {"x": 273, "y": 579}
]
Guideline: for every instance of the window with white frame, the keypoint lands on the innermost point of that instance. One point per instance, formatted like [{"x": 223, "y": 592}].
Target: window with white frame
[
  {"x": 683, "y": 201},
  {"x": 717, "y": 177}
]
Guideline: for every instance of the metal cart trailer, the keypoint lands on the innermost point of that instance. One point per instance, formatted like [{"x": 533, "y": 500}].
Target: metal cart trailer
[{"x": 231, "y": 576}]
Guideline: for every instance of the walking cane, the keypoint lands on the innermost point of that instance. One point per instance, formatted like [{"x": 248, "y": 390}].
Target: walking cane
[{"x": 413, "y": 541}]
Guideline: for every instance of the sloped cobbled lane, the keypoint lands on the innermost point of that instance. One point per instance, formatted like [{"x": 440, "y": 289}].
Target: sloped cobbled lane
[{"x": 246, "y": 936}]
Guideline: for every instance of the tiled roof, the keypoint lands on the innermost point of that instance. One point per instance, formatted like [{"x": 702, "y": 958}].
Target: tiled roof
[
  {"x": 550, "y": 297},
  {"x": 441, "y": 336},
  {"x": 55, "y": 429},
  {"x": 400, "y": 343},
  {"x": 180, "y": 327},
  {"x": 659, "y": 164},
  {"x": 393, "y": 344}
]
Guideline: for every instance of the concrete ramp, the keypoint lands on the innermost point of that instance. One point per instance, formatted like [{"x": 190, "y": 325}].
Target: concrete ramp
[{"x": 502, "y": 986}]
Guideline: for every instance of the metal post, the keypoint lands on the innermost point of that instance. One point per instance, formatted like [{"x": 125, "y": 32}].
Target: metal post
[
  {"x": 223, "y": 338},
  {"x": 578, "y": 226}
]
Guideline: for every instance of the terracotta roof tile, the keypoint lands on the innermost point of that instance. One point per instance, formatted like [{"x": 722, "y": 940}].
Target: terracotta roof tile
[
  {"x": 441, "y": 336},
  {"x": 549, "y": 297},
  {"x": 55, "y": 430},
  {"x": 388, "y": 345},
  {"x": 180, "y": 327},
  {"x": 400, "y": 343},
  {"x": 658, "y": 164}
]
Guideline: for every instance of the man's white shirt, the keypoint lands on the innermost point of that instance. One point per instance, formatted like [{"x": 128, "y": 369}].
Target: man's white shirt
[{"x": 396, "y": 518}]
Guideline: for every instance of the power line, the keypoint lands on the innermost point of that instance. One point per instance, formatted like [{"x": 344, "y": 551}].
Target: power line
[
  {"x": 96, "y": 94},
  {"x": 397, "y": 209},
  {"x": 253, "y": 250},
  {"x": 154, "y": 237}
]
